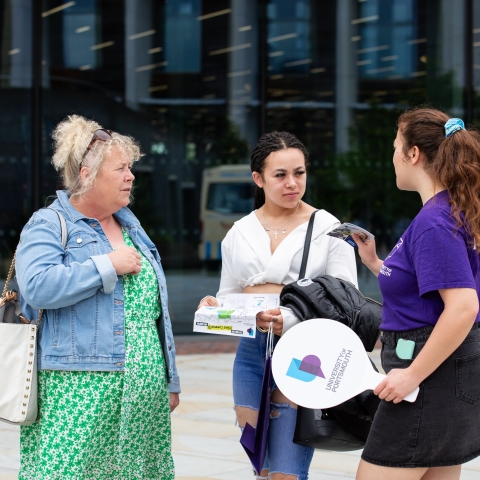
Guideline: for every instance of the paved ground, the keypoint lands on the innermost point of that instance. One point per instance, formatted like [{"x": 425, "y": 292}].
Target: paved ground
[
  {"x": 197, "y": 343},
  {"x": 205, "y": 439}
]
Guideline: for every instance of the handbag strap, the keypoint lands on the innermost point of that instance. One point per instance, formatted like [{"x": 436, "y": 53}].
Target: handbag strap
[
  {"x": 63, "y": 233},
  {"x": 63, "y": 227},
  {"x": 306, "y": 247}
]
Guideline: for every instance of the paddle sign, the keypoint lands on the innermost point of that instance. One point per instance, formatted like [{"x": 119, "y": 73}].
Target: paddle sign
[{"x": 321, "y": 363}]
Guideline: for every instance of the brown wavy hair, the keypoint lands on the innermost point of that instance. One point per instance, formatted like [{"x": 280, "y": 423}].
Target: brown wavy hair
[{"x": 453, "y": 162}]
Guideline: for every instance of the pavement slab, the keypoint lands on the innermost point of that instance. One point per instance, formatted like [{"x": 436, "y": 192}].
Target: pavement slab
[{"x": 205, "y": 441}]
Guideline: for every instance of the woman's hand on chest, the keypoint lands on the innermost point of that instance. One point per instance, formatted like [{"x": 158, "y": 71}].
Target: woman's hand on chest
[{"x": 126, "y": 260}]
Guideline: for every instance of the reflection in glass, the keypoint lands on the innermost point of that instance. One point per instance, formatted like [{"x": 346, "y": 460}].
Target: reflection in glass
[
  {"x": 289, "y": 36},
  {"x": 476, "y": 60},
  {"x": 230, "y": 197},
  {"x": 183, "y": 42},
  {"x": 79, "y": 35},
  {"x": 188, "y": 79},
  {"x": 388, "y": 40}
]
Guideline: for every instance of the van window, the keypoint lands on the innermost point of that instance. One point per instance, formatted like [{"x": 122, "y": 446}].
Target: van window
[{"x": 232, "y": 197}]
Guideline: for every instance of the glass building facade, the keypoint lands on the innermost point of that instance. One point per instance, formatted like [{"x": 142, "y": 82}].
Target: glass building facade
[{"x": 197, "y": 82}]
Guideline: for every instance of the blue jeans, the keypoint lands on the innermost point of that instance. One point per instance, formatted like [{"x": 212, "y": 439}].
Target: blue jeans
[{"x": 283, "y": 456}]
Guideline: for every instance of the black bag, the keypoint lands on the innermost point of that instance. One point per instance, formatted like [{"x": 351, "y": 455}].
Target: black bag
[
  {"x": 317, "y": 429},
  {"x": 342, "y": 428}
]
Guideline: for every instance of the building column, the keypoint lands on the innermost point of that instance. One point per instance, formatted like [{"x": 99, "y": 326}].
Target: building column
[
  {"x": 452, "y": 49},
  {"x": 20, "y": 51},
  {"x": 138, "y": 19},
  {"x": 243, "y": 69},
  {"x": 346, "y": 73}
]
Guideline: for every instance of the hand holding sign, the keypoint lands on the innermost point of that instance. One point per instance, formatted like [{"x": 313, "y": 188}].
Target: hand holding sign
[
  {"x": 321, "y": 363},
  {"x": 393, "y": 387}
]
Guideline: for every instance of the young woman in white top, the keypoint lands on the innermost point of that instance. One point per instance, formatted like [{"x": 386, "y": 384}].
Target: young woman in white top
[{"x": 262, "y": 253}]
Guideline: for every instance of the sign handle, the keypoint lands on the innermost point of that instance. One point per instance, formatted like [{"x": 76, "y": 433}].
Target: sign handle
[
  {"x": 372, "y": 378},
  {"x": 412, "y": 396}
]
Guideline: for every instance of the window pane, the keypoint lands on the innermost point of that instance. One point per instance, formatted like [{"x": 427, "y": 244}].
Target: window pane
[
  {"x": 196, "y": 83},
  {"x": 230, "y": 197},
  {"x": 15, "y": 124}
]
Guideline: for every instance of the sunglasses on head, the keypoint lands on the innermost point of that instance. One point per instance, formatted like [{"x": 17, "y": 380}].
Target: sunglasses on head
[{"x": 101, "y": 134}]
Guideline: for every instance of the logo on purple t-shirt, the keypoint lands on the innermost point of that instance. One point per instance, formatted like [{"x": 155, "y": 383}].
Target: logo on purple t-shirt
[{"x": 395, "y": 248}]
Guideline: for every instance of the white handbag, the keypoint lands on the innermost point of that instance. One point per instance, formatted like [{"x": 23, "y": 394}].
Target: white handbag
[{"x": 18, "y": 355}]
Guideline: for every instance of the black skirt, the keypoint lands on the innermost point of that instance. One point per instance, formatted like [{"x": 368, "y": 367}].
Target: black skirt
[{"x": 442, "y": 427}]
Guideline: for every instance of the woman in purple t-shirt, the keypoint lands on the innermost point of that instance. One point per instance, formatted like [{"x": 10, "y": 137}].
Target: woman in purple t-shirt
[{"x": 430, "y": 284}]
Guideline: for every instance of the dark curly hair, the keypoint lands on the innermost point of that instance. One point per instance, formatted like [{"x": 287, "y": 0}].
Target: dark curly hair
[{"x": 268, "y": 143}]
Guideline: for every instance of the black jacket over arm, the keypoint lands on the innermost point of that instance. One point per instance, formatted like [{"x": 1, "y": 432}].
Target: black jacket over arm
[{"x": 337, "y": 299}]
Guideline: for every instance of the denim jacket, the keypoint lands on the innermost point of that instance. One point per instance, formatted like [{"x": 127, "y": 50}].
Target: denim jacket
[{"x": 83, "y": 320}]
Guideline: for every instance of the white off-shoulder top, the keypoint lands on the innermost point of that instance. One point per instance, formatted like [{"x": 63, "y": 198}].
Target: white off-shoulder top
[{"x": 247, "y": 259}]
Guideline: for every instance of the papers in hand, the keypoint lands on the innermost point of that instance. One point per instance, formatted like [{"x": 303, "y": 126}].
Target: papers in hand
[
  {"x": 345, "y": 231},
  {"x": 236, "y": 317}
]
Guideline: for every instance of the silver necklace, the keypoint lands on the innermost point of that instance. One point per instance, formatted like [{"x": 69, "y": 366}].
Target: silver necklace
[{"x": 283, "y": 228}]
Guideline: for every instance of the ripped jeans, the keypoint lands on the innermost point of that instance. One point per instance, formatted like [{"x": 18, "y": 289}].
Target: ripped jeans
[{"x": 283, "y": 456}]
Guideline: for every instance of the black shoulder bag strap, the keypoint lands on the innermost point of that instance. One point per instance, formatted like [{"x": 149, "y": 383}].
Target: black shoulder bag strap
[
  {"x": 318, "y": 428},
  {"x": 306, "y": 247}
]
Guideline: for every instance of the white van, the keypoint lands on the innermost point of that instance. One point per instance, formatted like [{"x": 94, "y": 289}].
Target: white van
[{"x": 227, "y": 195}]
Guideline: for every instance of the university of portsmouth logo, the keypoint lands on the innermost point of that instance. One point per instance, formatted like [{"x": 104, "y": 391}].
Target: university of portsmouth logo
[
  {"x": 395, "y": 248},
  {"x": 305, "y": 370}
]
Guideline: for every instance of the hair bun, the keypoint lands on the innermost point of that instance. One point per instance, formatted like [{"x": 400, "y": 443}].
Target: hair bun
[{"x": 71, "y": 138}]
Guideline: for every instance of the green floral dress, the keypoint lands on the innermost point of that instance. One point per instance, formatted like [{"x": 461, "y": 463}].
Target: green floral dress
[{"x": 107, "y": 425}]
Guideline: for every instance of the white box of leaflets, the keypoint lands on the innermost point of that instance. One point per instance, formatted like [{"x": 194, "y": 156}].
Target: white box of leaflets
[{"x": 237, "y": 316}]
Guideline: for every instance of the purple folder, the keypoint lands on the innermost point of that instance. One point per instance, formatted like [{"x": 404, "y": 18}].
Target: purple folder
[{"x": 254, "y": 440}]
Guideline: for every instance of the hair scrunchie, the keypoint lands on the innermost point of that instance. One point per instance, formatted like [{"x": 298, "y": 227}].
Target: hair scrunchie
[{"x": 453, "y": 125}]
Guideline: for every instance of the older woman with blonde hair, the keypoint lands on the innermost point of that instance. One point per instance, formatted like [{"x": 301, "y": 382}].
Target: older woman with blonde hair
[{"x": 107, "y": 379}]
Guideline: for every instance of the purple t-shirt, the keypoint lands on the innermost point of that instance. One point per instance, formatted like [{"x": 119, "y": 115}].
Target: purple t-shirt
[{"x": 432, "y": 254}]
